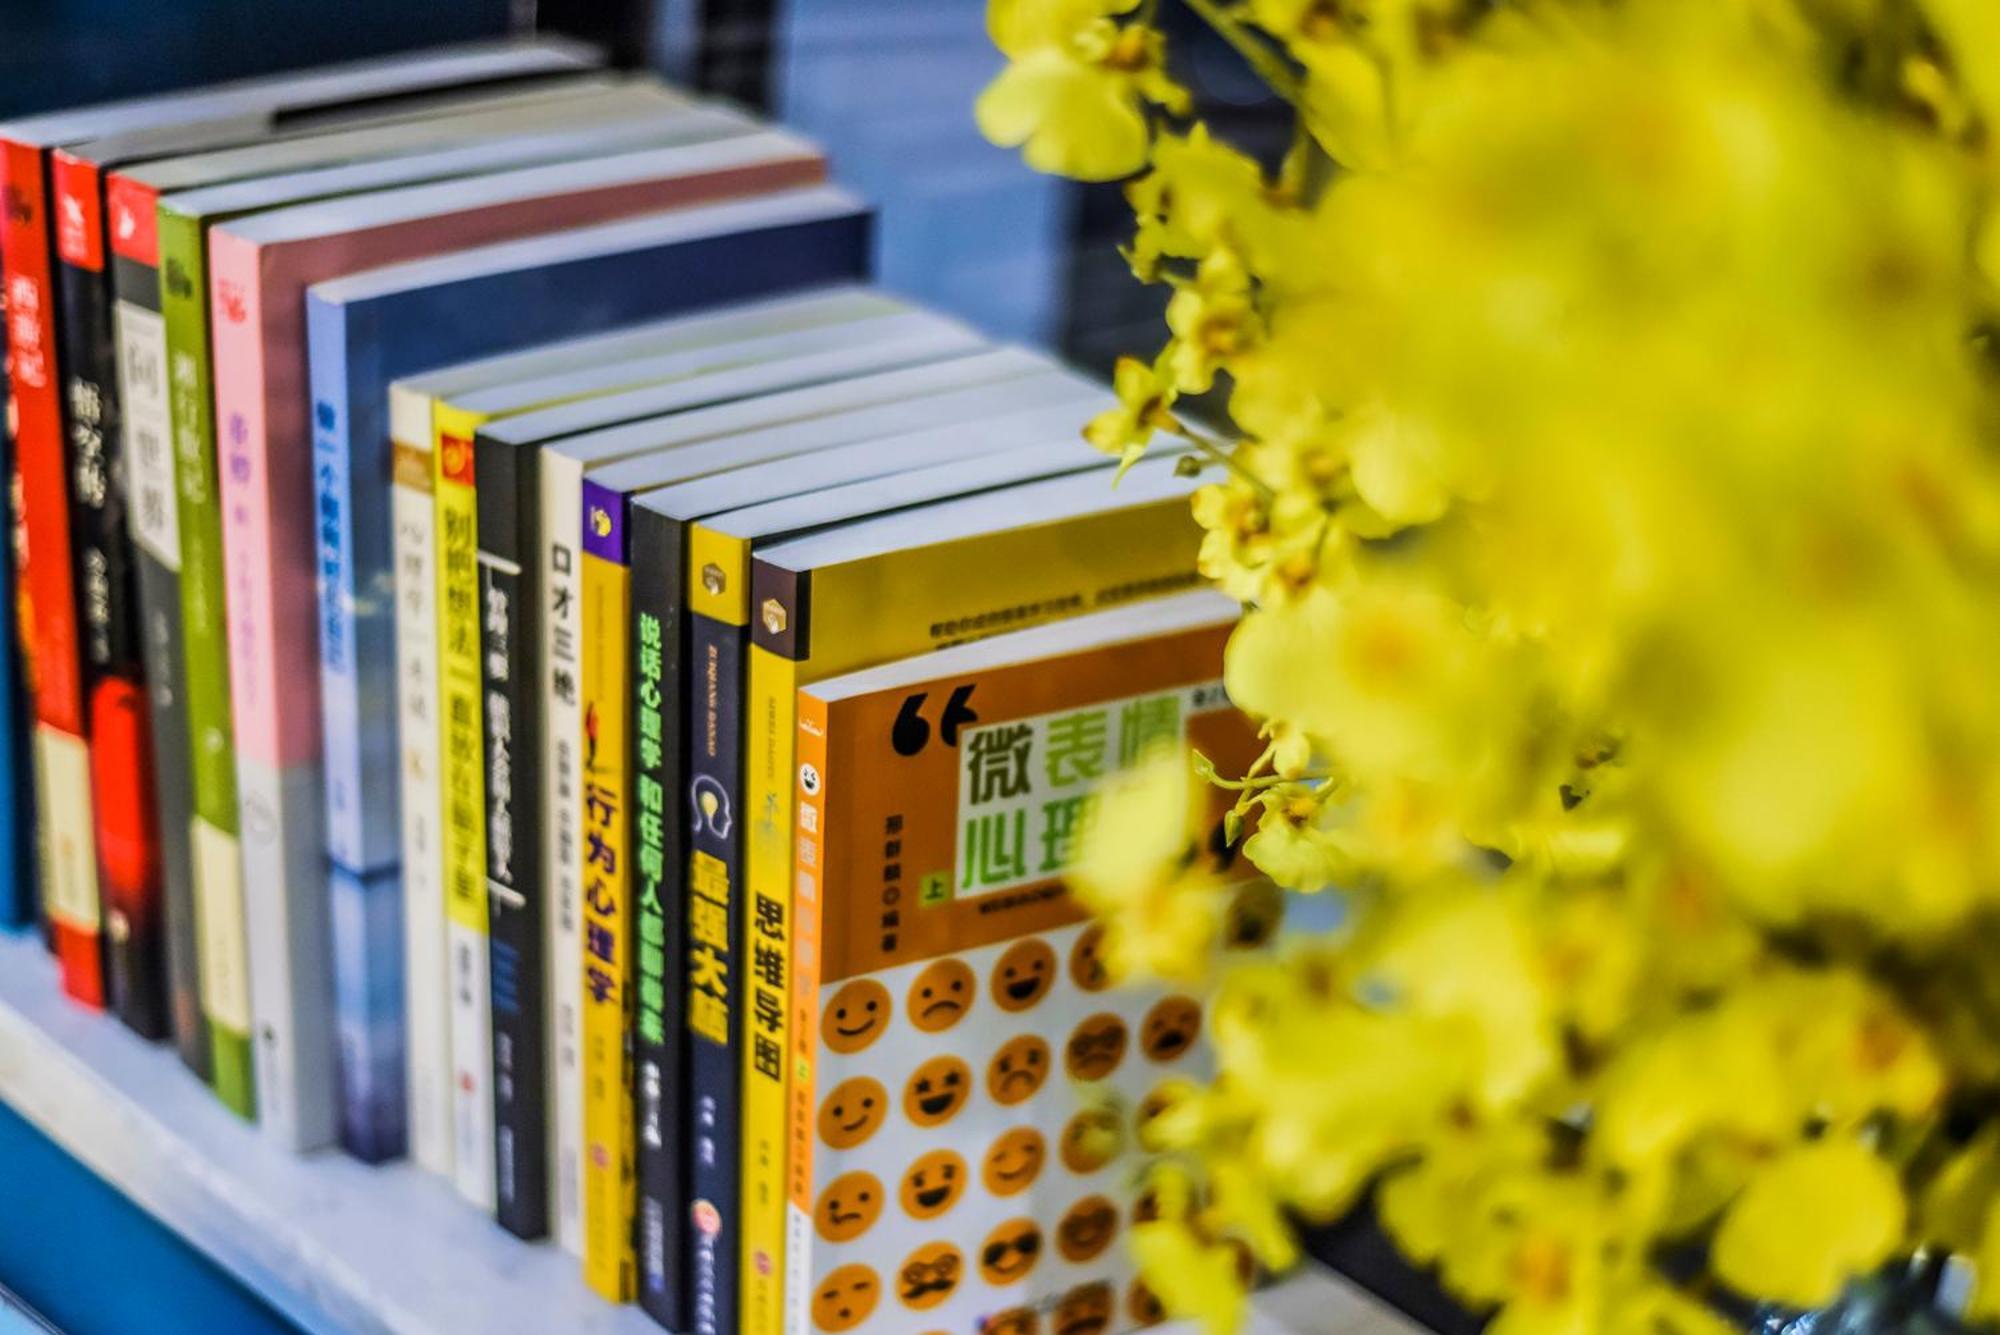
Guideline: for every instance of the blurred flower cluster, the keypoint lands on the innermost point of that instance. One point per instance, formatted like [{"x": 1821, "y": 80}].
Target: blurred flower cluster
[{"x": 1609, "y": 478}]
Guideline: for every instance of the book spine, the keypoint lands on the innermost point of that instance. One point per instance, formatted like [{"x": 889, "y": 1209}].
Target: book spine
[
  {"x": 62, "y": 762},
  {"x": 771, "y": 721},
  {"x": 512, "y": 710},
  {"x": 18, "y": 898},
  {"x": 224, "y": 951},
  {"x": 365, "y": 897},
  {"x": 558, "y": 491},
  {"x": 266, "y": 495},
  {"x": 117, "y": 729},
  {"x": 815, "y": 800},
  {"x": 714, "y": 990},
  {"x": 462, "y": 828},
  {"x": 426, "y": 958},
  {"x": 659, "y": 850},
  {"x": 154, "y": 517}
]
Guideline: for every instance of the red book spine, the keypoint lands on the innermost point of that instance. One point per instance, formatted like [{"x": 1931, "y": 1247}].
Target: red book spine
[{"x": 69, "y": 887}]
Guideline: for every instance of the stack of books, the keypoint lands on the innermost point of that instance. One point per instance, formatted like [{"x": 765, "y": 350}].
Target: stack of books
[{"x": 525, "y": 661}]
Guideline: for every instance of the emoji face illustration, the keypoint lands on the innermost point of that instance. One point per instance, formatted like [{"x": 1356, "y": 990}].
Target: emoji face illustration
[
  {"x": 1095, "y": 1047},
  {"x": 1013, "y": 1321},
  {"x": 1086, "y": 1229},
  {"x": 1163, "y": 1096},
  {"x": 853, "y": 1112},
  {"x": 1253, "y": 916},
  {"x": 941, "y": 995},
  {"x": 845, "y": 1298},
  {"x": 1017, "y": 1070},
  {"x": 928, "y": 1275},
  {"x": 937, "y": 1090},
  {"x": 848, "y": 1207},
  {"x": 1085, "y": 1310},
  {"x": 856, "y": 1017},
  {"x": 933, "y": 1184},
  {"x": 1024, "y": 974},
  {"x": 1142, "y": 1306},
  {"x": 1010, "y": 1251},
  {"x": 1086, "y": 961},
  {"x": 1170, "y": 1028},
  {"x": 1013, "y": 1161},
  {"x": 1093, "y": 1138}
]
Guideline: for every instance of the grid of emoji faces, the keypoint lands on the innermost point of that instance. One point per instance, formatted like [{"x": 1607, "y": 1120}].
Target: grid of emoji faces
[{"x": 976, "y": 1159}]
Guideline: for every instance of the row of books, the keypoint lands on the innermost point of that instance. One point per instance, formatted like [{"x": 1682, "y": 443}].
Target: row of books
[{"x": 532, "y": 665}]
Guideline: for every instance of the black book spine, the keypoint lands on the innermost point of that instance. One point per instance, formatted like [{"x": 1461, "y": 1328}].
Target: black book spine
[
  {"x": 660, "y": 1047},
  {"x": 155, "y": 530},
  {"x": 113, "y": 681},
  {"x": 509, "y": 593},
  {"x": 714, "y": 998}
]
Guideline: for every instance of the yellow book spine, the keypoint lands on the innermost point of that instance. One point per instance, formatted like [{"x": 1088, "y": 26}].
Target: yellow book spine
[
  {"x": 770, "y": 734},
  {"x": 610, "y": 1186},
  {"x": 461, "y": 760}
]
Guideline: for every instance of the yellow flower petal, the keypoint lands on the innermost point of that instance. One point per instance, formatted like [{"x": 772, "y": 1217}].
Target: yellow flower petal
[{"x": 1809, "y": 1222}]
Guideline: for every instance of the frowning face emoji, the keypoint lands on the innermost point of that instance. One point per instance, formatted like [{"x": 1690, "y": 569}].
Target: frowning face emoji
[
  {"x": 933, "y": 1184},
  {"x": 856, "y": 1017},
  {"x": 1010, "y": 1251},
  {"x": 845, "y": 1298},
  {"x": 1085, "y": 1310},
  {"x": 1017, "y": 1070},
  {"x": 1086, "y": 962},
  {"x": 1093, "y": 1138},
  {"x": 1086, "y": 1229},
  {"x": 1095, "y": 1047},
  {"x": 937, "y": 1090},
  {"x": 853, "y": 1112},
  {"x": 928, "y": 1275},
  {"x": 941, "y": 995},
  {"x": 1170, "y": 1028},
  {"x": 848, "y": 1207},
  {"x": 1024, "y": 974},
  {"x": 1013, "y": 1161}
]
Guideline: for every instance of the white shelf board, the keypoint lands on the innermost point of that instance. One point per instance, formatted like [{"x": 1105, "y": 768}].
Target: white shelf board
[{"x": 336, "y": 1245}]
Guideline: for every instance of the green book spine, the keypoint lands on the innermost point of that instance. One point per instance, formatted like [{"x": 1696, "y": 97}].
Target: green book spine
[{"x": 218, "y": 874}]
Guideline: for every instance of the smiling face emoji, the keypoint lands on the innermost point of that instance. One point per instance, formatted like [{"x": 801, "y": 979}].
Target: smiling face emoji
[
  {"x": 1087, "y": 1228},
  {"x": 853, "y": 1112},
  {"x": 1010, "y": 1252},
  {"x": 1013, "y": 1161},
  {"x": 933, "y": 1184},
  {"x": 928, "y": 1276},
  {"x": 1024, "y": 974},
  {"x": 1085, "y": 1310},
  {"x": 941, "y": 995},
  {"x": 1093, "y": 1138},
  {"x": 848, "y": 1207},
  {"x": 845, "y": 1298},
  {"x": 1170, "y": 1028},
  {"x": 856, "y": 1017},
  {"x": 1095, "y": 1047},
  {"x": 1017, "y": 1070},
  {"x": 937, "y": 1090},
  {"x": 1086, "y": 960}
]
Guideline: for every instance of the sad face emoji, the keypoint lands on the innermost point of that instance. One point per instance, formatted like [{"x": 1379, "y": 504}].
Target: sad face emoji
[
  {"x": 1024, "y": 974},
  {"x": 845, "y": 1298},
  {"x": 848, "y": 1207},
  {"x": 933, "y": 1184},
  {"x": 1017, "y": 1070},
  {"x": 1013, "y": 1161},
  {"x": 1010, "y": 1252},
  {"x": 937, "y": 1090},
  {"x": 1086, "y": 1229},
  {"x": 856, "y": 1017},
  {"x": 853, "y": 1112},
  {"x": 1170, "y": 1028},
  {"x": 1095, "y": 1047},
  {"x": 941, "y": 995}
]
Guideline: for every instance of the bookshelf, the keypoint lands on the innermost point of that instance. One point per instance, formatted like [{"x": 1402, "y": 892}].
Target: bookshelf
[{"x": 333, "y": 1244}]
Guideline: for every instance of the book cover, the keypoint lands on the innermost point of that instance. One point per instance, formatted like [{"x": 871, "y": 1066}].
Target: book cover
[
  {"x": 35, "y": 227},
  {"x": 403, "y": 319},
  {"x": 969, "y": 1097},
  {"x": 259, "y": 270},
  {"x": 900, "y": 584}
]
